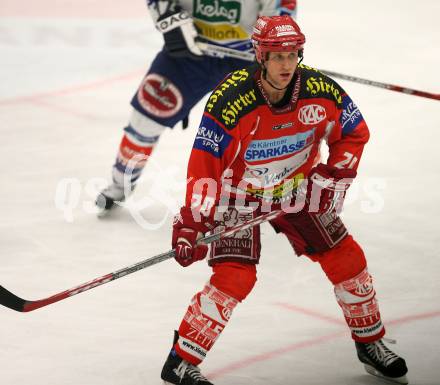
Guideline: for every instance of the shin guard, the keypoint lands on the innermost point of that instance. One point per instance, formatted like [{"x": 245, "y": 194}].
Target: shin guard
[
  {"x": 346, "y": 267},
  {"x": 357, "y": 298},
  {"x": 206, "y": 317},
  {"x": 140, "y": 138}
]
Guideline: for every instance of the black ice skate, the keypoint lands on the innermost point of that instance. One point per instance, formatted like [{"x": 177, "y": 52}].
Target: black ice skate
[
  {"x": 178, "y": 371},
  {"x": 382, "y": 362},
  {"x": 108, "y": 198}
]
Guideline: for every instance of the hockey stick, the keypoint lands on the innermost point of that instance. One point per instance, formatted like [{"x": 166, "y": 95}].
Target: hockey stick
[
  {"x": 14, "y": 302},
  {"x": 221, "y": 52},
  {"x": 214, "y": 50},
  {"x": 387, "y": 86}
]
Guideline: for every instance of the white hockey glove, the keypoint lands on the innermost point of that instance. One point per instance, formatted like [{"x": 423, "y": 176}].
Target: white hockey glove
[{"x": 179, "y": 33}]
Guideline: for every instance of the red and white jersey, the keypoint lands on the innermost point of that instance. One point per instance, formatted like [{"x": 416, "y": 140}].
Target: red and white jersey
[{"x": 245, "y": 144}]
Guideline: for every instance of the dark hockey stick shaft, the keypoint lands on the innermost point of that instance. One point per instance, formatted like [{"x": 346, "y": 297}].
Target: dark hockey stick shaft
[
  {"x": 210, "y": 49},
  {"x": 14, "y": 302},
  {"x": 391, "y": 87}
]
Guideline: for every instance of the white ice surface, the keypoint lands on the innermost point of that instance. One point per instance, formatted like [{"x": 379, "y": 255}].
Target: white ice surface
[{"x": 68, "y": 71}]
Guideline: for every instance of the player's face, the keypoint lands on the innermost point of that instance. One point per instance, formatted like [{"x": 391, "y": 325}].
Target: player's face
[{"x": 280, "y": 67}]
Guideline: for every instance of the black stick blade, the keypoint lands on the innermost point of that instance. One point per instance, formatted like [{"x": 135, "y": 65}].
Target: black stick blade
[{"x": 11, "y": 300}]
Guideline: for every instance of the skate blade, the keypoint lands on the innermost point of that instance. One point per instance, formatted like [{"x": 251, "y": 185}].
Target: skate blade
[
  {"x": 102, "y": 213},
  {"x": 396, "y": 380}
]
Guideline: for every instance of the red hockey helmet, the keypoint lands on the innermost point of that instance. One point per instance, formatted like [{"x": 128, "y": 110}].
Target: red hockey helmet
[{"x": 276, "y": 34}]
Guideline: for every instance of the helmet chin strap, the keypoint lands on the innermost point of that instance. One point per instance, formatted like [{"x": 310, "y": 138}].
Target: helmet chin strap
[{"x": 264, "y": 73}]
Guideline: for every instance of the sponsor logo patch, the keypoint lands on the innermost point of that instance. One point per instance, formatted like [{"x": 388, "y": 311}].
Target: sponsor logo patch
[
  {"x": 282, "y": 126},
  {"x": 189, "y": 347},
  {"x": 268, "y": 177},
  {"x": 311, "y": 114},
  {"x": 221, "y": 32},
  {"x": 212, "y": 138},
  {"x": 259, "y": 26},
  {"x": 172, "y": 22},
  {"x": 232, "y": 81},
  {"x": 276, "y": 194},
  {"x": 318, "y": 86},
  {"x": 233, "y": 107},
  {"x": 275, "y": 148},
  {"x": 217, "y": 10},
  {"x": 351, "y": 116},
  {"x": 158, "y": 96},
  {"x": 240, "y": 244},
  {"x": 285, "y": 30}
]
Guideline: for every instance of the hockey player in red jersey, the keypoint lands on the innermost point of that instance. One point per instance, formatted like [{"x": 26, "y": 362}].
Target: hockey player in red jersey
[
  {"x": 181, "y": 75},
  {"x": 257, "y": 150}
]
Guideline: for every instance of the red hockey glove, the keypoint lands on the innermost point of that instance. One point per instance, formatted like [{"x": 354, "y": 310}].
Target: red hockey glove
[
  {"x": 186, "y": 231},
  {"x": 326, "y": 188}
]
